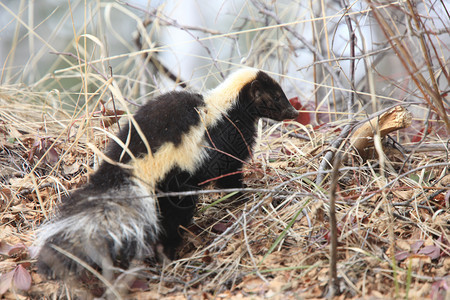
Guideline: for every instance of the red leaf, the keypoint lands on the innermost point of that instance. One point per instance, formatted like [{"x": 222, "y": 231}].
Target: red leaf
[
  {"x": 431, "y": 251},
  {"x": 416, "y": 246},
  {"x": 221, "y": 227},
  {"x": 207, "y": 258},
  {"x": 139, "y": 285},
  {"x": 402, "y": 255},
  {"x": 303, "y": 117},
  {"x": 52, "y": 156},
  {"x": 22, "y": 278},
  {"x": 420, "y": 134},
  {"x": 5, "y": 281}
]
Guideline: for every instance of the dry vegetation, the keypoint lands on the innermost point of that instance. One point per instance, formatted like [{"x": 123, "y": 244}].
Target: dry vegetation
[{"x": 391, "y": 220}]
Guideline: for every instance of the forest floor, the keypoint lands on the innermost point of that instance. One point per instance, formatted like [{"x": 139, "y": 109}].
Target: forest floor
[{"x": 392, "y": 217}]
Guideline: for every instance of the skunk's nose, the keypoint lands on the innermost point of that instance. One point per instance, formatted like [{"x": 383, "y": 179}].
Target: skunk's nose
[{"x": 290, "y": 113}]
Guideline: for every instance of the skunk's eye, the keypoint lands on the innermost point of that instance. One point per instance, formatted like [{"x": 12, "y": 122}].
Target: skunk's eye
[{"x": 277, "y": 99}]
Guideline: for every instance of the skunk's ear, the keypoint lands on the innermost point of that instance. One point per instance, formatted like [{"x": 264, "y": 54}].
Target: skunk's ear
[{"x": 255, "y": 89}]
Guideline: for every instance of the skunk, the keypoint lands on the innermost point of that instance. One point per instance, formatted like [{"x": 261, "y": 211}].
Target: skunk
[
  {"x": 173, "y": 143},
  {"x": 234, "y": 107}
]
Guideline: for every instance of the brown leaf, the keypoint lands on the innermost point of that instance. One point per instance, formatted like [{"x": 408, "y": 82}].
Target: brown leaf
[
  {"x": 110, "y": 118},
  {"x": 40, "y": 147},
  {"x": 5, "y": 248},
  {"x": 17, "y": 250},
  {"x": 253, "y": 284},
  {"x": 72, "y": 168},
  {"x": 221, "y": 227},
  {"x": 207, "y": 258},
  {"x": 5, "y": 281},
  {"x": 52, "y": 156},
  {"x": 139, "y": 285}
]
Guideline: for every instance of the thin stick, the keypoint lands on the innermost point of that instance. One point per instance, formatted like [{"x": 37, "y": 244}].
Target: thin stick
[
  {"x": 333, "y": 283},
  {"x": 351, "y": 32}
]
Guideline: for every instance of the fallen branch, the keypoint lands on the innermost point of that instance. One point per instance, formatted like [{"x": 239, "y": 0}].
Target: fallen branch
[{"x": 394, "y": 119}]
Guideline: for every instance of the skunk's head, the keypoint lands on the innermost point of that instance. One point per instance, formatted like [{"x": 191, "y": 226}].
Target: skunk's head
[{"x": 268, "y": 99}]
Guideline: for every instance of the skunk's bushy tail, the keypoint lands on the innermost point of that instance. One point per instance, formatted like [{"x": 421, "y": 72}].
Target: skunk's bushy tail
[{"x": 105, "y": 229}]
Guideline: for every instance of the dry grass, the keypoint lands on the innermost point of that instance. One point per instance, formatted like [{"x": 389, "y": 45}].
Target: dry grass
[{"x": 392, "y": 210}]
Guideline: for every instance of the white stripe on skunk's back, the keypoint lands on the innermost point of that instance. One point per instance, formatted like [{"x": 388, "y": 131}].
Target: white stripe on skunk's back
[{"x": 188, "y": 156}]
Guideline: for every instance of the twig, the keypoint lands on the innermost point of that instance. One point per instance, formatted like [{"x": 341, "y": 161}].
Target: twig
[
  {"x": 333, "y": 283},
  {"x": 242, "y": 190},
  {"x": 392, "y": 120},
  {"x": 113, "y": 101},
  {"x": 349, "y": 58},
  {"x": 327, "y": 160},
  {"x": 82, "y": 60},
  {"x": 351, "y": 32}
]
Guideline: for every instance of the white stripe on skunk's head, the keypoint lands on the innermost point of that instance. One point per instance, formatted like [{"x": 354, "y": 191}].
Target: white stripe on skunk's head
[
  {"x": 258, "y": 93},
  {"x": 222, "y": 98}
]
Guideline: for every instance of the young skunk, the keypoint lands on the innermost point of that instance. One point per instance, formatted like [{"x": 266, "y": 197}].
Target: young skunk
[
  {"x": 239, "y": 102},
  {"x": 170, "y": 146}
]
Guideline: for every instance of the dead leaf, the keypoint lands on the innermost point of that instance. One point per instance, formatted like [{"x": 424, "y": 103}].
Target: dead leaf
[
  {"x": 431, "y": 251},
  {"x": 253, "y": 284},
  {"x": 445, "y": 181},
  {"x": 71, "y": 169},
  {"x": 220, "y": 227},
  {"x": 4, "y": 248},
  {"x": 139, "y": 285},
  {"x": 404, "y": 195},
  {"x": 22, "y": 278},
  {"x": 278, "y": 283},
  {"x": 403, "y": 245},
  {"x": 6, "y": 281},
  {"x": 24, "y": 183},
  {"x": 17, "y": 250},
  {"x": 402, "y": 255},
  {"x": 416, "y": 246}
]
